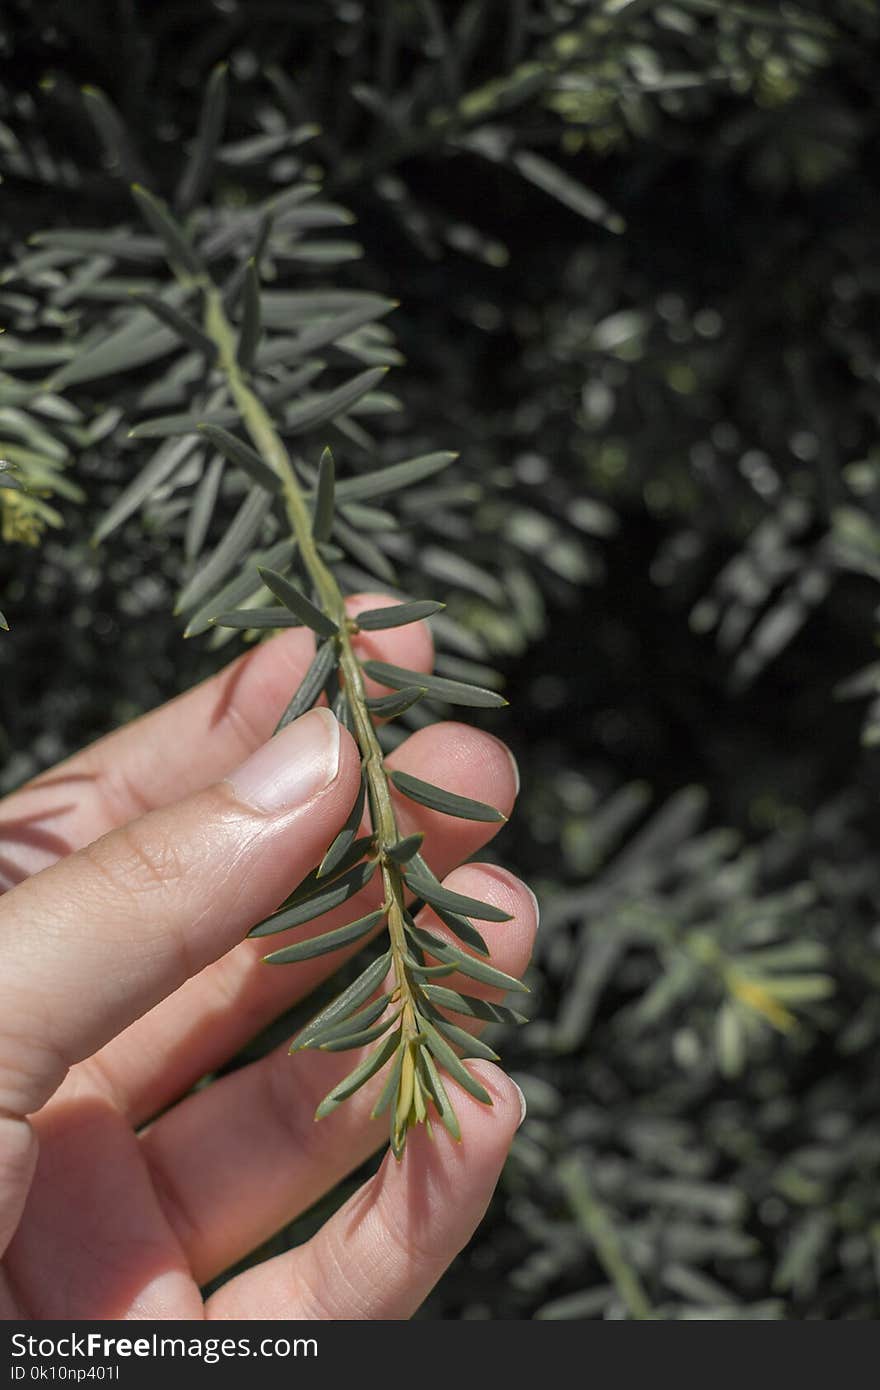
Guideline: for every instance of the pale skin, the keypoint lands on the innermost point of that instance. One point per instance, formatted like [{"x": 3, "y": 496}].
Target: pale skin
[{"x": 134, "y": 871}]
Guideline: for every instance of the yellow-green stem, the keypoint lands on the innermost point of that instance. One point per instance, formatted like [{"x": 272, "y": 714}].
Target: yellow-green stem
[{"x": 270, "y": 446}]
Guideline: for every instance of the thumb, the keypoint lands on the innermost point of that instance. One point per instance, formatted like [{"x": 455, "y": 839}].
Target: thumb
[{"x": 93, "y": 942}]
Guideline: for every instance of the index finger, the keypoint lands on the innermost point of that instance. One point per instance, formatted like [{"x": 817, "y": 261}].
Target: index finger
[{"x": 180, "y": 748}]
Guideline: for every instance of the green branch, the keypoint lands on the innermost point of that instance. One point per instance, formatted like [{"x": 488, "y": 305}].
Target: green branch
[
  {"x": 270, "y": 446},
  {"x": 423, "y": 1038}
]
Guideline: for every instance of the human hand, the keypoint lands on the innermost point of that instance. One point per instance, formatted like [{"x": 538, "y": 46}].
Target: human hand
[{"x": 135, "y": 870}]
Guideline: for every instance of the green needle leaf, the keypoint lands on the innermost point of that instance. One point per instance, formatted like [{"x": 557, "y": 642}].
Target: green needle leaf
[
  {"x": 242, "y": 455},
  {"x": 186, "y": 330},
  {"x": 244, "y": 586},
  {"x": 322, "y": 523},
  {"x": 399, "y": 475},
  {"x": 202, "y": 510},
  {"x": 167, "y": 458},
  {"x": 351, "y": 1040},
  {"x": 243, "y": 619},
  {"x": 345, "y": 838},
  {"x": 397, "y": 615},
  {"x": 315, "y": 883},
  {"x": 438, "y": 687},
  {"x": 124, "y": 246},
  {"x": 345, "y": 1004},
  {"x": 459, "y": 926},
  {"x": 451, "y": 1062},
  {"x": 353, "y": 1082},
  {"x": 364, "y": 550},
  {"x": 471, "y": 1007},
  {"x": 389, "y": 706},
  {"x": 324, "y": 407},
  {"x": 389, "y": 1090},
  {"x": 197, "y": 172},
  {"x": 297, "y": 602},
  {"x": 137, "y": 342},
  {"x": 330, "y": 941},
  {"x": 470, "y": 1045},
  {"x": 449, "y": 954},
  {"x": 435, "y": 893},
  {"x": 159, "y": 219},
  {"x": 439, "y": 1094},
  {"x": 243, "y": 530},
  {"x": 249, "y": 336},
  {"x": 114, "y": 136},
  {"x": 403, "y": 851},
  {"x": 160, "y": 426},
  {"x": 334, "y": 895},
  {"x": 356, "y": 1022},
  {"x": 439, "y": 800},
  {"x": 313, "y": 682}
]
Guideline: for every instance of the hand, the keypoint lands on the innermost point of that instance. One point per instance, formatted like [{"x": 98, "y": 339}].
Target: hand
[{"x": 135, "y": 870}]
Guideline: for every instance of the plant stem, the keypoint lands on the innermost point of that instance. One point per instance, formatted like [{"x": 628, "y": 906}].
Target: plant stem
[
  {"x": 597, "y": 1225},
  {"x": 270, "y": 446}
]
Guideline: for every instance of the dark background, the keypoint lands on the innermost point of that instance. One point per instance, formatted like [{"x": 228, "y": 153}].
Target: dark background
[{"x": 661, "y": 370}]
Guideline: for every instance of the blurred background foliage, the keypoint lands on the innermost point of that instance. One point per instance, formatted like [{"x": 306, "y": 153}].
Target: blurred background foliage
[{"x": 636, "y": 249}]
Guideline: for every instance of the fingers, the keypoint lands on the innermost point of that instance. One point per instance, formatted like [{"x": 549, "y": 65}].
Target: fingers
[
  {"x": 94, "y": 1242},
  {"x": 381, "y": 1254},
  {"x": 94, "y": 941},
  {"x": 274, "y": 1160},
  {"x": 180, "y": 748},
  {"x": 214, "y": 1014}
]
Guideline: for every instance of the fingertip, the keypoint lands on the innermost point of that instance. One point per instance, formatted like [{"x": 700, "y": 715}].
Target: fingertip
[
  {"x": 506, "y": 1113},
  {"x": 486, "y": 1130}
]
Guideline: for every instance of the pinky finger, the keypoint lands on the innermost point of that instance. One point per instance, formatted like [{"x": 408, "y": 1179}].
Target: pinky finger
[{"x": 381, "y": 1254}]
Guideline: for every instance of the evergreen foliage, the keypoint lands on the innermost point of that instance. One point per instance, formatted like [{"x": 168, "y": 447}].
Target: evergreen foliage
[{"x": 634, "y": 247}]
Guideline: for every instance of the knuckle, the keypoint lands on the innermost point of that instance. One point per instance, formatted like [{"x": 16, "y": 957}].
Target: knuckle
[{"x": 136, "y": 860}]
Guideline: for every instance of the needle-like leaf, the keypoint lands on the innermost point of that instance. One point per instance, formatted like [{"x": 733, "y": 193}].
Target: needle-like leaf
[
  {"x": 334, "y": 895},
  {"x": 249, "y": 335},
  {"x": 435, "y": 893},
  {"x": 402, "y": 851},
  {"x": 381, "y": 481},
  {"x": 178, "y": 246},
  {"x": 330, "y": 941},
  {"x": 438, "y": 687},
  {"x": 439, "y": 1094},
  {"x": 346, "y": 1003},
  {"x": 437, "y": 799},
  {"x": 451, "y": 1062},
  {"x": 313, "y": 682},
  {"x": 389, "y": 706},
  {"x": 397, "y": 614},
  {"x": 362, "y": 1073},
  {"x": 188, "y": 332},
  {"x": 470, "y": 1006},
  {"x": 297, "y": 602},
  {"x": 244, "y": 619},
  {"x": 470, "y": 1045},
  {"x": 197, "y": 171},
  {"x": 242, "y": 455},
  {"x": 322, "y": 522},
  {"x": 347, "y": 834},
  {"x": 347, "y": 1041}
]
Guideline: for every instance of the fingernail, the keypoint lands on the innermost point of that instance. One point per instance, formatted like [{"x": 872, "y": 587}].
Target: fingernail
[
  {"x": 516, "y": 777},
  {"x": 537, "y": 905},
  {"x": 292, "y": 767},
  {"x": 523, "y": 1108}
]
